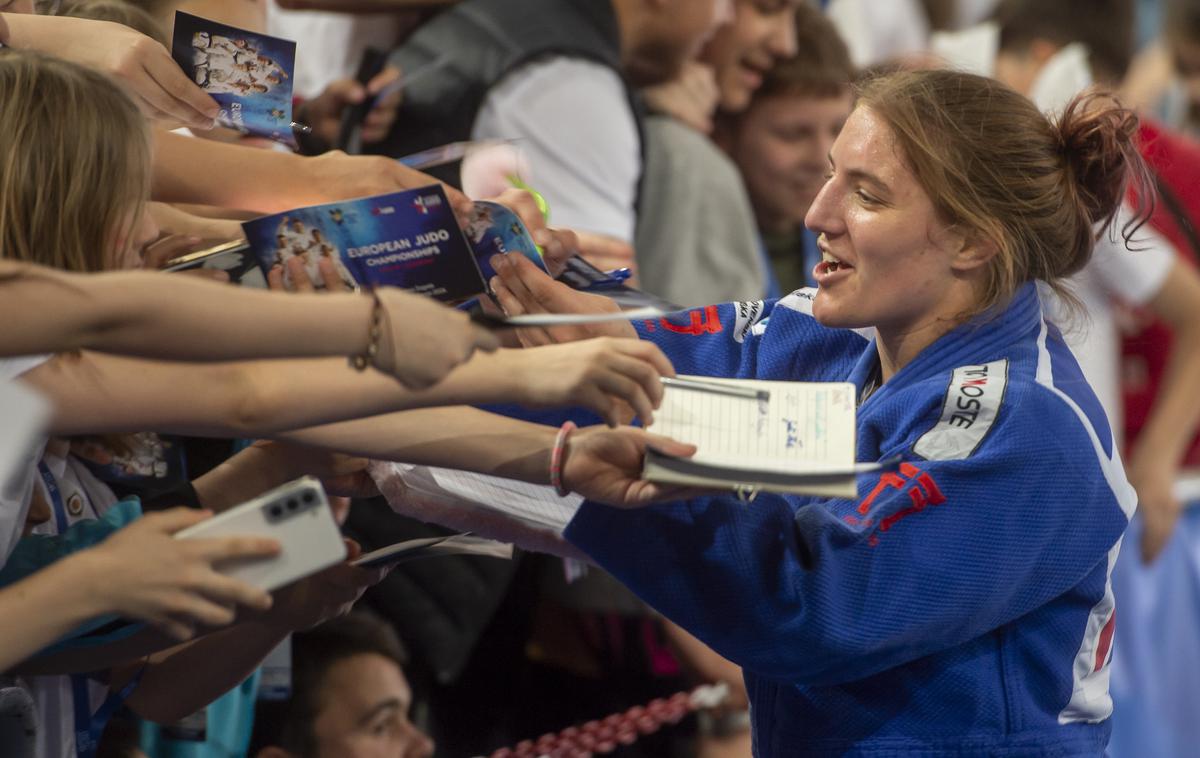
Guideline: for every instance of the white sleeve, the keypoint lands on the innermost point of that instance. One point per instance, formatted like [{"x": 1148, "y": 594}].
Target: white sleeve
[
  {"x": 21, "y": 443},
  {"x": 1134, "y": 275},
  {"x": 574, "y": 125}
]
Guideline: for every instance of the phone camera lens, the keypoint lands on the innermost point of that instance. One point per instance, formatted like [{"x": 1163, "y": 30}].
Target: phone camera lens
[
  {"x": 292, "y": 504},
  {"x": 308, "y": 498},
  {"x": 276, "y": 511}
]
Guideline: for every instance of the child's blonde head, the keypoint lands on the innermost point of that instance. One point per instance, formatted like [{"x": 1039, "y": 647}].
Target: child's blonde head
[{"x": 74, "y": 164}]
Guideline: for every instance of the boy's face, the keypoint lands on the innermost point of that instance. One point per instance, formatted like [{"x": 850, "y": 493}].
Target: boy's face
[
  {"x": 782, "y": 148},
  {"x": 364, "y": 712},
  {"x": 763, "y": 33}
]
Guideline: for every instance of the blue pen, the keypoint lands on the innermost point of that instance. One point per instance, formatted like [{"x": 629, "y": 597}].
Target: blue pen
[{"x": 618, "y": 275}]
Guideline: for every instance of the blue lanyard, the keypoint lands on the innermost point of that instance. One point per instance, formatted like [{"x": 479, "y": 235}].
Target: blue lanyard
[
  {"x": 60, "y": 511},
  {"x": 88, "y": 726}
]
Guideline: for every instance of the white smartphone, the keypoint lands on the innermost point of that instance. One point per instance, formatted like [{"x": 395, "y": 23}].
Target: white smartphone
[{"x": 297, "y": 514}]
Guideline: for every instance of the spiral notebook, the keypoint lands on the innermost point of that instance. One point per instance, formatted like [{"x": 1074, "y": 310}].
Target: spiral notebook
[{"x": 790, "y": 437}]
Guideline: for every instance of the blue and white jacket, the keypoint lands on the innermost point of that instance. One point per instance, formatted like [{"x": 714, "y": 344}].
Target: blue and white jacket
[{"x": 960, "y": 606}]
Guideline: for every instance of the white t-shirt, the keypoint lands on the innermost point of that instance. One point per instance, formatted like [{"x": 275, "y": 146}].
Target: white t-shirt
[
  {"x": 1113, "y": 277},
  {"x": 329, "y": 46},
  {"x": 573, "y": 123},
  {"x": 877, "y": 32},
  {"x": 84, "y": 498},
  {"x": 16, "y": 491},
  {"x": 24, "y": 413}
]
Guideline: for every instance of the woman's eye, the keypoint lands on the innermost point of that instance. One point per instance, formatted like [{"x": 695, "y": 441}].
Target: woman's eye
[{"x": 865, "y": 197}]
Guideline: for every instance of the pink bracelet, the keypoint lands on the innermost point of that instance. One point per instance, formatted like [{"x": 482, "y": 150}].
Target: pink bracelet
[{"x": 558, "y": 458}]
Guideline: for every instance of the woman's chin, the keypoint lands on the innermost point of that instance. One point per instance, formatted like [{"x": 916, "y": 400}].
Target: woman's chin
[{"x": 831, "y": 312}]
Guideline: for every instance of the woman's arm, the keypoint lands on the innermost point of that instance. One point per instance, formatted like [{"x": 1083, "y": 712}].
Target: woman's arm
[
  {"x": 203, "y": 171},
  {"x": 266, "y": 465},
  {"x": 140, "y": 572},
  {"x": 177, "y": 318},
  {"x": 96, "y": 393},
  {"x": 463, "y": 438},
  {"x": 173, "y": 220},
  {"x": 1175, "y": 414},
  {"x": 142, "y": 66},
  {"x": 180, "y": 681},
  {"x": 44, "y": 607}
]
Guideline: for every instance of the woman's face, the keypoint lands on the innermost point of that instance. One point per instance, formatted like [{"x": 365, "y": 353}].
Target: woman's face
[{"x": 887, "y": 259}]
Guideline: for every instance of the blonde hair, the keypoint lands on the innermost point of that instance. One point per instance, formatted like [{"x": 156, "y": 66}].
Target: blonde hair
[
  {"x": 998, "y": 169},
  {"x": 74, "y": 163},
  {"x": 117, "y": 11}
]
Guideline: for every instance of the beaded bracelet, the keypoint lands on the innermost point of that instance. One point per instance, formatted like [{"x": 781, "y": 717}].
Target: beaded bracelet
[
  {"x": 557, "y": 458},
  {"x": 362, "y": 360}
]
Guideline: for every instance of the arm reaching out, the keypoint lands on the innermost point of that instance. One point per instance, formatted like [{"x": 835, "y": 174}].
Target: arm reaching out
[
  {"x": 140, "y": 572},
  {"x": 175, "y": 318},
  {"x": 138, "y": 63}
]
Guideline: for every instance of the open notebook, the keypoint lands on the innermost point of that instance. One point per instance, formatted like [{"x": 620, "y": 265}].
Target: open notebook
[{"x": 794, "y": 437}]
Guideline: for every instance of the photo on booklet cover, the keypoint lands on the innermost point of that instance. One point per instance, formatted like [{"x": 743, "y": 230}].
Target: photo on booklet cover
[
  {"x": 405, "y": 239},
  {"x": 248, "y": 74}
]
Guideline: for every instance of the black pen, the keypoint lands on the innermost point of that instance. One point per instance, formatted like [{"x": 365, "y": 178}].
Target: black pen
[{"x": 716, "y": 388}]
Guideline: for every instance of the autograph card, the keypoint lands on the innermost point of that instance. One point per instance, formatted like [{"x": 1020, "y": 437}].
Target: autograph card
[
  {"x": 493, "y": 228},
  {"x": 405, "y": 239},
  {"x": 248, "y": 74}
]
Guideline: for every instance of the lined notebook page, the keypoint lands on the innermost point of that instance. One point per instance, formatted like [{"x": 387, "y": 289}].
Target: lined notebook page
[
  {"x": 536, "y": 505},
  {"x": 802, "y": 428}
]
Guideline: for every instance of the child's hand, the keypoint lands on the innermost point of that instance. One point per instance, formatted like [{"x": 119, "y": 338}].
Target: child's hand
[
  {"x": 691, "y": 98},
  {"x": 423, "y": 340},
  {"x": 324, "y": 595},
  {"x": 341, "y": 475},
  {"x": 140, "y": 65},
  {"x": 522, "y": 287},
  {"x": 324, "y": 112},
  {"x": 143, "y": 572},
  {"x": 557, "y": 244},
  {"x": 605, "y": 375}
]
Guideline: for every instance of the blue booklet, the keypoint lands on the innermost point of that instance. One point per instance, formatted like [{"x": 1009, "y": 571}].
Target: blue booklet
[
  {"x": 410, "y": 240},
  {"x": 248, "y": 74}
]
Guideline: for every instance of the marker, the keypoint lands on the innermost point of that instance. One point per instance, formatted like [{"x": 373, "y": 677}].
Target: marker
[{"x": 716, "y": 388}]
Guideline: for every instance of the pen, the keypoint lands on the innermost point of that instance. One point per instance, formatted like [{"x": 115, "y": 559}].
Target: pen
[{"x": 716, "y": 388}]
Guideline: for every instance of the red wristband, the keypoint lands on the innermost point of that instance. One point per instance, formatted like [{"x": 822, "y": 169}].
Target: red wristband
[{"x": 558, "y": 458}]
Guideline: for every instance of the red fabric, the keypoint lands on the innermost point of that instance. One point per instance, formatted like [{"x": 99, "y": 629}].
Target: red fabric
[{"x": 1147, "y": 345}]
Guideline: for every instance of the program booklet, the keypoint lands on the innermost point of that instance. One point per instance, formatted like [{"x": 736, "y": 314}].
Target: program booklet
[
  {"x": 408, "y": 239},
  {"x": 248, "y": 74},
  {"x": 790, "y": 437}
]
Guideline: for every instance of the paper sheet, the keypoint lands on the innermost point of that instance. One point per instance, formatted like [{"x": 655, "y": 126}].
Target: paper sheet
[
  {"x": 529, "y": 516},
  {"x": 802, "y": 428}
]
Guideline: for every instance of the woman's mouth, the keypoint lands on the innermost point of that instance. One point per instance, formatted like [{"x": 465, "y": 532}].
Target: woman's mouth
[{"x": 829, "y": 269}]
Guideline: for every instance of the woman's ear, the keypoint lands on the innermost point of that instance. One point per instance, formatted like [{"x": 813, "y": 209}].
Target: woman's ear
[{"x": 973, "y": 253}]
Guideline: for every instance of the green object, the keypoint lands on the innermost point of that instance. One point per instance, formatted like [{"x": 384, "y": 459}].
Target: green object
[{"x": 542, "y": 205}]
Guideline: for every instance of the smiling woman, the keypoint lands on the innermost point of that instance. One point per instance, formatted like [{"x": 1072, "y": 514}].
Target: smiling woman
[{"x": 954, "y": 607}]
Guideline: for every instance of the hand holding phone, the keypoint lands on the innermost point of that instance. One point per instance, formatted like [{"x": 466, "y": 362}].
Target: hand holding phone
[
  {"x": 298, "y": 516},
  {"x": 142, "y": 573}
]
